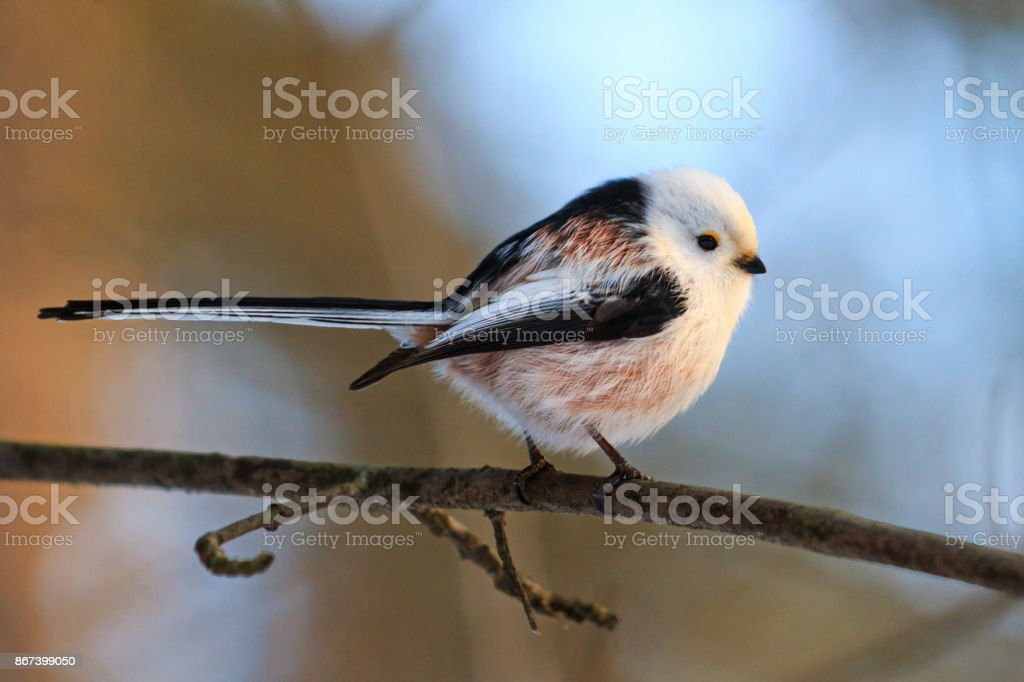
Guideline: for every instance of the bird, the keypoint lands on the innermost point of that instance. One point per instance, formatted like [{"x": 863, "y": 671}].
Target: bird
[{"x": 595, "y": 325}]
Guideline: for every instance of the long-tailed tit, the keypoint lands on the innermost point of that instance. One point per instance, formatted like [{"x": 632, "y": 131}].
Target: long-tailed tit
[{"x": 598, "y": 323}]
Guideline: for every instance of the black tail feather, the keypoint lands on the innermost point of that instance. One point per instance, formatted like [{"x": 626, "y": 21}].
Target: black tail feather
[
  {"x": 392, "y": 363},
  {"x": 90, "y": 310}
]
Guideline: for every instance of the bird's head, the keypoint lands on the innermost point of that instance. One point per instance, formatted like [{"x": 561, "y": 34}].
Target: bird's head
[
  {"x": 710, "y": 229},
  {"x": 700, "y": 224}
]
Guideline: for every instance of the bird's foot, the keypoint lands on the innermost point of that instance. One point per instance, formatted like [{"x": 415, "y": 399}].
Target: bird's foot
[
  {"x": 605, "y": 492},
  {"x": 524, "y": 476}
]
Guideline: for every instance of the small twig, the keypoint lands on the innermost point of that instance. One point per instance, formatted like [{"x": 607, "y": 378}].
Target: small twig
[
  {"x": 210, "y": 549},
  {"x": 541, "y": 600},
  {"x": 497, "y": 519},
  {"x": 211, "y": 553}
]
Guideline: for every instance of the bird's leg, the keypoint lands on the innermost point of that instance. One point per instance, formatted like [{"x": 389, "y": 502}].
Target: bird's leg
[
  {"x": 537, "y": 465},
  {"x": 624, "y": 471}
]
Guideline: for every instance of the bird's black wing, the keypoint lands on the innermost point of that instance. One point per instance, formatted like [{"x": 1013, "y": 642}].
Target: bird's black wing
[{"x": 635, "y": 309}]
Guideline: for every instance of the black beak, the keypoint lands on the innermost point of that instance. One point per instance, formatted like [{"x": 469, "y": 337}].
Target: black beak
[{"x": 752, "y": 264}]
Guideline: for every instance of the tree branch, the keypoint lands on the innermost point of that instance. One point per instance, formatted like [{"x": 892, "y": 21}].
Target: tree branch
[{"x": 825, "y": 531}]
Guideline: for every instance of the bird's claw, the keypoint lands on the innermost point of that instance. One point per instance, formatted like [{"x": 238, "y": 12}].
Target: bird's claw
[
  {"x": 610, "y": 484},
  {"x": 524, "y": 476}
]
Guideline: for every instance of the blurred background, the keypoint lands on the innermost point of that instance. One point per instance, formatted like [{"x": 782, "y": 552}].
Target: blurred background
[{"x": 168, "y": 179}]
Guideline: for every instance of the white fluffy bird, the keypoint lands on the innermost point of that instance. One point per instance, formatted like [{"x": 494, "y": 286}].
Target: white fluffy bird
[{"x": 598, "y": 323}]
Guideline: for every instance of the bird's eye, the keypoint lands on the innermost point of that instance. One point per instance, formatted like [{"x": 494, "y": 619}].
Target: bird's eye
[{"x": 708, "y": 241}]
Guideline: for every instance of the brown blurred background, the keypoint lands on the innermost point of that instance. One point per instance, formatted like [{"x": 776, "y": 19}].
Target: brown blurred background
[{"x": 167, "y": 181}]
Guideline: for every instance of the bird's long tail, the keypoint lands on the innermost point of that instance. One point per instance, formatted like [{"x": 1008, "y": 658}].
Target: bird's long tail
[{"x": 322, "y": 312}]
